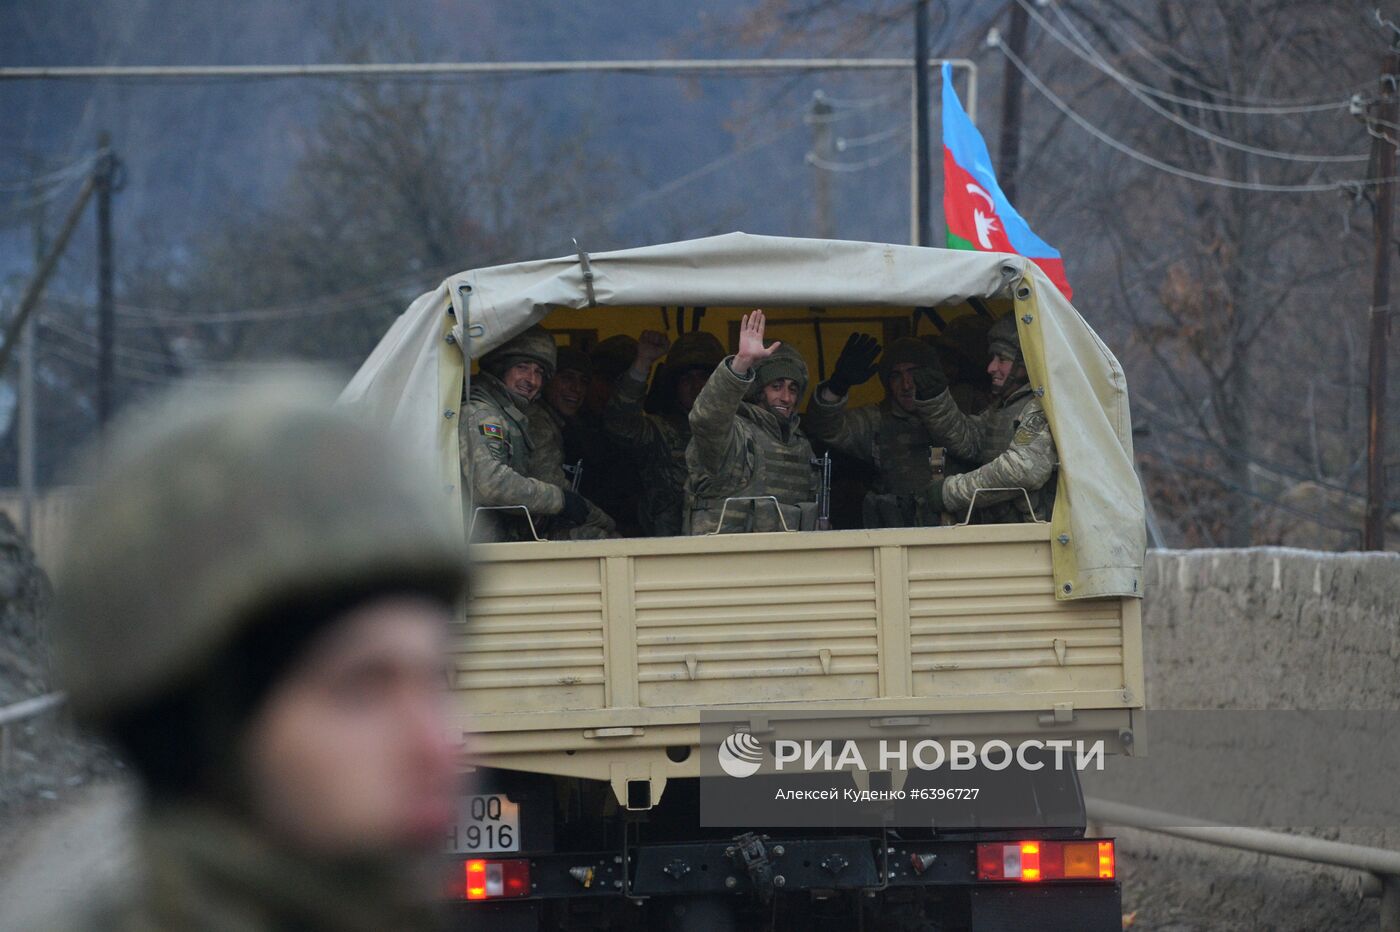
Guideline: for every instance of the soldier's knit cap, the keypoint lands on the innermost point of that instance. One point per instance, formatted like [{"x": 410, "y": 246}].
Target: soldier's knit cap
[
  {"x": 904, "y": 350},
  {"x": 785, "y": 363},
  {"x": 574, "y": 359},
  {"x": 1003, "y": 340},
  {"x": 534, "y": 345}
]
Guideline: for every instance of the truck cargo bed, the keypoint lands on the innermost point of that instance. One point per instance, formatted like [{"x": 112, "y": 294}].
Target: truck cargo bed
[{"x": 592, "y": 659}]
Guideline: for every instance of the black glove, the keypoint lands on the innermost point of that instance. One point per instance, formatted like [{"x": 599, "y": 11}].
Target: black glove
[
  {"x": 575, "y": 508},
  {"x": 929, "y": 382},
  {"x": 855, "y": 365},
  {"x": 934, "y": 495}
]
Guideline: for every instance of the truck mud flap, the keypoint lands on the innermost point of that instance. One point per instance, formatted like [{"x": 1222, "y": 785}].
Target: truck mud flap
[{"x": 1058, "y": 908}]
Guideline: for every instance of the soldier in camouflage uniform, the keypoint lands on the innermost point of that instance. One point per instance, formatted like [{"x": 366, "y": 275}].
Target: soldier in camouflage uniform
[
  {"x": 553, "y": 423},
  {"x": 895, "y": 436},
  {"x": 1011, "y": 440},
  {"x": 255, "y": 610},
  {"x": 746, "y": 441},
  {"x": 496, "y": 448},
  {"x": 658, "y": 441}
]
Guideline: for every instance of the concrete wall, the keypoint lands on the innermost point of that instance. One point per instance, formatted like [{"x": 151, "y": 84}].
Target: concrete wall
[
  {"x": 1272, "y": 628},
  {"x": 1263, "y": 628}
]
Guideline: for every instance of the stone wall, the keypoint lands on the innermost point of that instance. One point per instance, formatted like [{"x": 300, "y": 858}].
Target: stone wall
[{"x": 1261, "y": 628}]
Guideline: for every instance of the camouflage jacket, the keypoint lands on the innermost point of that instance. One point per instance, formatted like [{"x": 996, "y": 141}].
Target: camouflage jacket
[
  {"x": 896, "y": 442},
  {"x": 1012, "y": 441},
  {"x": 658, "y": 444},
  {"x": 546, "y": 429},
  {"x": 496, "y": 452},
  {"x": 741, "y": 449},
  {"x": 198, "y": 869}
]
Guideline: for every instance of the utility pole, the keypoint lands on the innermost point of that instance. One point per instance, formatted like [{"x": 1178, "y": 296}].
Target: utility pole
[
  {"x": 822, "y": 149},
  {"x": 106, "y": 169},
  {"x": 921, "y": 138},
  {"x": 1009, "y": 158},
  {"x": 27, "y": 428},
  {"x": 1383, "y": 148}
]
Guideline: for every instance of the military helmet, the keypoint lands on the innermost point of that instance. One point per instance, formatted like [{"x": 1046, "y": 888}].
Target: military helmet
[
  {"x": 905, "y": 350},
  {"x": 574, "y": 359},
  {"x": 785, "y": 363},
  {"x": 534, "y": 345},
  {"x": 613, "y": 356},
  {"x": 209, "y": 513},
  {"x": 1004, "y": 340},
  {"x": 695, "y": 350}
]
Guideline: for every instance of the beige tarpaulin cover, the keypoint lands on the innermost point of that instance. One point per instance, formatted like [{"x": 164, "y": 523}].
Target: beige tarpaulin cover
[{"x": 410, "y": 386}]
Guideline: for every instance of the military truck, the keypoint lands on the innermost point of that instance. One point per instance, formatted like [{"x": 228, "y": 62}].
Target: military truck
[{"x": 585, "y": 668}]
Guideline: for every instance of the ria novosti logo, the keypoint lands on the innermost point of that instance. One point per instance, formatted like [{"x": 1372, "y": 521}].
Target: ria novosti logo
[{"x": 740, "y": 755}]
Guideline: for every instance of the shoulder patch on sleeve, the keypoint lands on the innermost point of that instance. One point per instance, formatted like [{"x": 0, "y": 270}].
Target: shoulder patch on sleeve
[
  {"x": 1030, "y": 425},
  {"x": 492, "y": 429}
]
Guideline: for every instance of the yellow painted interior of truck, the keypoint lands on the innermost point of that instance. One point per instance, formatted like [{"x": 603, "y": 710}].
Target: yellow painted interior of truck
[{"x": 818, "y": 333}]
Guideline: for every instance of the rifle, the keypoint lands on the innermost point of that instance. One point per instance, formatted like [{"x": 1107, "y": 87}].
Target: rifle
[
  {"x": 575, "y": 474},
  {"x": 823, "y": 463}
]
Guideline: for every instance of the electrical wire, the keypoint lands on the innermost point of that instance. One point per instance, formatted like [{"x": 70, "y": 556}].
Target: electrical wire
[
  {"x": 1145, "y": 93},
  {"x": 843, "y": 143},
  {"x": 1187, "y": 468},
  {"x": 1246, "y": 105},
  {"x": 68, "y": 172},
  {"x": 708, "y": 168},
  {"x": 1170, "y": 169},
  {"x": 872, "y": 162},
  {"x": 1281, "y": 472}
]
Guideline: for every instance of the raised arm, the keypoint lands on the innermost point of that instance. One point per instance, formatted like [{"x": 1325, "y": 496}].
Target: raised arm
[
  {"x": 1027, "y": 464},
  {"x": 714, "y": 433},
  {"x": 962, "y": 434},
  {"x": 624, "y": 418},
  {"x": 828, "y": 419}
]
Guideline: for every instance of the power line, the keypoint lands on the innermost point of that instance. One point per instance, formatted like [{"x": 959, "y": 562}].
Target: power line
[
  {"x": 1281, "y": 472},
  {"x": 1145, "y": 93},
  {"x": 681, "y": 67},
  {"x": 872, "y": 162},
  {"x": 1250, "y": 493},
  {"x": 1170, "y": 169},
  {"x": 1246, "y": 105},
  {"x": 844, "y": 142},
  {"x": 75, "y": 169}
]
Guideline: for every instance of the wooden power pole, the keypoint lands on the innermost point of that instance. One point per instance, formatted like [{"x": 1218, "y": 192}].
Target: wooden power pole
[
  {"x": 1387, "y": 109},
  {"x": 106, "y": 169},
  {"x": 822, "y": 150}
]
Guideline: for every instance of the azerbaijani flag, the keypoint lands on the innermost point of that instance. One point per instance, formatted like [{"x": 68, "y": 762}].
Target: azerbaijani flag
[{"x": 978, "y": 215}]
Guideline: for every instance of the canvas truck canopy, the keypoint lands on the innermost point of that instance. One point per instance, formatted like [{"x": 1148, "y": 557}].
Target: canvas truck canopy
[{"x": 411, "y": 384}]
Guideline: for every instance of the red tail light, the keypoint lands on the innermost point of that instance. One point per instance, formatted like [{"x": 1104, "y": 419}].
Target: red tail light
[
  {"x": 1035, "y": 861},
  {"x": 488, "y": 880}
]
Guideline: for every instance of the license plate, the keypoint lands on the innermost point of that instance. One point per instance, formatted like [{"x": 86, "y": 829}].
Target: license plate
[{"x": 485, "y": 823}]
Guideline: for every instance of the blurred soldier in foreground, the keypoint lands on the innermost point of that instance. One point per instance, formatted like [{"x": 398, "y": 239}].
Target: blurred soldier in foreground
[
  {"x": 557, "y": 440},
  {"x": 895, "y": 436},
  {"x": 255, "y": 611},
  {"x": 1011, "y": 440},
  {"x": 746, "y": 443},
  {"x": 659, "y": 440},
  {"x": 496, "y": 448}
]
